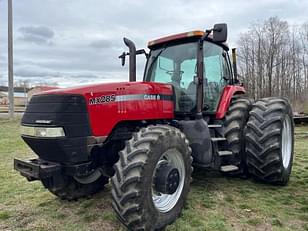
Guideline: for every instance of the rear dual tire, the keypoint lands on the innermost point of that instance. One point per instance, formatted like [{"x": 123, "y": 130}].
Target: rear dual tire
[
  {"x": 234, "y": 125},
  {"x": 269, "y": 139}
]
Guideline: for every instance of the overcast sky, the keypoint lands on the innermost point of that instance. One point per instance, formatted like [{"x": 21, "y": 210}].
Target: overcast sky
[{"x": 75, "y": 42}]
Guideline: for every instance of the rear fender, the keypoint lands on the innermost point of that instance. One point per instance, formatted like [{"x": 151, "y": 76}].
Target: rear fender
[{"x": 225, "y": 99}]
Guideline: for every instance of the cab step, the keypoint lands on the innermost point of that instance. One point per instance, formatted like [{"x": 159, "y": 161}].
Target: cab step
[
  {"x": 217, "y": 139},
  {"x": 228, "y": 168},
  {"x": 225, "y": 153},
  {"x": 214, "y": 125}
]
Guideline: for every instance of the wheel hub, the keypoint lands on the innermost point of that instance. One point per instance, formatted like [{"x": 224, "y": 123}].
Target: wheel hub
[
  {"x": 167, "y": 179},
  {"x": 167, "y": 168}
]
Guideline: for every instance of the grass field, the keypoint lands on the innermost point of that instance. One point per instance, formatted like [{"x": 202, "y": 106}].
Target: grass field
[{"x": 215, "y": 202}]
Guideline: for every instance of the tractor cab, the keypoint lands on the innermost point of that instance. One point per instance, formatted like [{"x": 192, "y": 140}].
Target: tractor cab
[
  {"x": 175, "y": 60},
  {"x": 196, "y": 64}
]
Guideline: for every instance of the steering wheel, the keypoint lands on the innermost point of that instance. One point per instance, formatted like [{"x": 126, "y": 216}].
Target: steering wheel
[{"x": 169, "y": 72}]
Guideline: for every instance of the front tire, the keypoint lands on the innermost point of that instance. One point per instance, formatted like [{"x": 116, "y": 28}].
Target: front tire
[
  {"x": 141, "y": 197},
  {"x": 270, "y": 140}
]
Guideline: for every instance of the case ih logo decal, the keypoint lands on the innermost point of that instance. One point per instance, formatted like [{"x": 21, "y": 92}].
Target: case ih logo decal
[
  {"x": 151, "y": 97},
  {"x": 120, "y": 98}
]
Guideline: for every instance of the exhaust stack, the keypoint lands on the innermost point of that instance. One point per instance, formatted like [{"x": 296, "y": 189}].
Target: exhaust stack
[
  {"x": 132, "y": 59},
  {"x": 234, "y": 64}
]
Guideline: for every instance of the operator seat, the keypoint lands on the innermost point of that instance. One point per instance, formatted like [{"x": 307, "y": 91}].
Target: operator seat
[
  {"x": 188, "y": 98},
  {"x": 177, "y": 91},
  {"x": 192, "y": 90},
  {"x": 210, "y": 90},
  {"x": 211, "y": 94}
]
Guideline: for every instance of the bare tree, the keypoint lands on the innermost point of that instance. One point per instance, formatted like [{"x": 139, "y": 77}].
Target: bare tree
[{"x": 273, "y": 60}]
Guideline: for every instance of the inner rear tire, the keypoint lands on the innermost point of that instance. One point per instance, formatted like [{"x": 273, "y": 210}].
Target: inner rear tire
[
  {"x": 139, "y": 203},
  {"x": 270, "y": 140},
  {"x": 234, "y": 125}
]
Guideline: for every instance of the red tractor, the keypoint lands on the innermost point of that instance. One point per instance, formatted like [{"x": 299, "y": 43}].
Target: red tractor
[{"x": 189, "y": 110}]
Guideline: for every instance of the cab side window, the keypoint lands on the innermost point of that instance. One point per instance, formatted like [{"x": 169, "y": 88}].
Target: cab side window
[{"x": 227, "y": 75}]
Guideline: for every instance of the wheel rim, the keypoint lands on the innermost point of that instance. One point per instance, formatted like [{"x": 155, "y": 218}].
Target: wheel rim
[
  {"x": 165, "y": 202},
  {"x": 94, "y": 176},
  {"x": 286, "y": 148}
]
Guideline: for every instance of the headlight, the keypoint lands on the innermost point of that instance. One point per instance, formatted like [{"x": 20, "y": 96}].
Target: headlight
[{"x": 42, "y": 132}]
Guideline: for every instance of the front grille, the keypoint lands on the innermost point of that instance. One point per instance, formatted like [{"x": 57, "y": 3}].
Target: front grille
[{"x": 67, "y": 111}]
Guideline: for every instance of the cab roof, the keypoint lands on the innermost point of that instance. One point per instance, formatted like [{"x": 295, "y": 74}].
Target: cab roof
[{"x": 181, "y": 36}]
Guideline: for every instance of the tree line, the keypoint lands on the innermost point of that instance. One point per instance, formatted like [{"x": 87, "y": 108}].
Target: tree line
[{"x": 273, "y": 61}]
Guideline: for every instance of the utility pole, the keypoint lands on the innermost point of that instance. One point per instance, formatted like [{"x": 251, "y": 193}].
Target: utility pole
[{"x": 10, "y": 60}]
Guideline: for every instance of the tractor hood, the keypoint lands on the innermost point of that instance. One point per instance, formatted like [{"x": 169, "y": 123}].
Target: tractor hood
[
  {"x": 108, "y": 104},
  {"x": 116, "y": 88}
]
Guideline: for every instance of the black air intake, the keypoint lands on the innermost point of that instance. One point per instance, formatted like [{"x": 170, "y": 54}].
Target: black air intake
[{"x": 67, "y": 111}]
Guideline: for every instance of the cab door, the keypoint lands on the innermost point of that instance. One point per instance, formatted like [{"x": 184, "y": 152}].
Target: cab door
[{"x": 217, "y": 74}]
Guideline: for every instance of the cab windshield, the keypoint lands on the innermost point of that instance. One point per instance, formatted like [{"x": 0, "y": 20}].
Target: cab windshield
[{"x": 176, "y": 65}]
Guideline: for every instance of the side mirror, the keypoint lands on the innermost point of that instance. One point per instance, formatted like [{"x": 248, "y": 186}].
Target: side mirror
[
  {"x": 122, "y": 57},
  {"x": 220, "y": 33}
]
